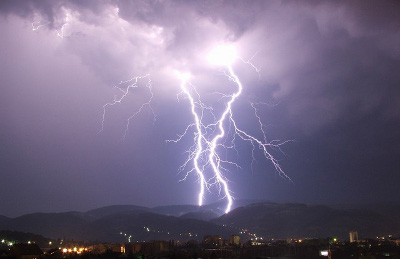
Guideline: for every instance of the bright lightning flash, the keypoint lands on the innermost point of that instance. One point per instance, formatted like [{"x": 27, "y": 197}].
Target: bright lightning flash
[
  {"x": 184, "y": 77},
  {"x": 208, "y": 138},
  {"x": 222, "y": 56}
]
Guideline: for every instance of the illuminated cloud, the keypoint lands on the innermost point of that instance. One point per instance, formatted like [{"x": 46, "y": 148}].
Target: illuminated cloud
[{"x": 328, "y": 73}]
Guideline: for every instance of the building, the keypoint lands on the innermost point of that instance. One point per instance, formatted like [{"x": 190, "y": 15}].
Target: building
[
  {"x": 213, "y": 240},
  {"x": 353, "y": 236},
  {"x": 234, "y": 240},
  {"x": 150, "y": 248},
  {"x": 155, "y": 247}
]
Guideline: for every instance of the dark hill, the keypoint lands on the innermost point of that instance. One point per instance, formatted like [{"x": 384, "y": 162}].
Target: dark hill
[
  {"x": 53, "y": 225},
  {"x": 175, "y": 210},
  {"x": 150, "y": 226},
  {"x": 205, "y": 215},
  {"x": 111, "y": 210},
  {"x": 273, "y": 220},
  {"x": 142, "y": 226},
  {"x": 267, "y": 219},
  {"x": 217, "y": 208},
  {"x": 3, "y": 221}
]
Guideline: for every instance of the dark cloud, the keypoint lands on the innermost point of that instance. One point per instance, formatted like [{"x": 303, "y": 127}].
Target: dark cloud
[{"x": 328, "y": 70}]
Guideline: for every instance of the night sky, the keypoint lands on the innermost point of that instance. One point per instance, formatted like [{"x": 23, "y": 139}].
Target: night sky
[{"x": 329, "y": 78}]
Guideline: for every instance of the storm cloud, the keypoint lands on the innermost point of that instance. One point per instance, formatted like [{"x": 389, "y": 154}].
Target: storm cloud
[{"x": 329, "y": 69}]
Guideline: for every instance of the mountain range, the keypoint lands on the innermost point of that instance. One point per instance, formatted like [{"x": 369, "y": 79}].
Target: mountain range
[{"x": 249, "y": 219}]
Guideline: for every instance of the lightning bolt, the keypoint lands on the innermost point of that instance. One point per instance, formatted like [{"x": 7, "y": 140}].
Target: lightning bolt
[
  {"x": 214, "y": 159},
  {"x": 125, "y": 88},
  {"x": 205, "y": 144},
  {"x": 263, "y": 145},
  {"x": 198, "y": 139},
  {"x": 208, "y": 139},
  {"x": 60, "y": 33}
]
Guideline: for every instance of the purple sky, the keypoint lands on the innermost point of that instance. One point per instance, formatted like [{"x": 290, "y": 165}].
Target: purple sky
[{"x": 329, "y": 70}]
